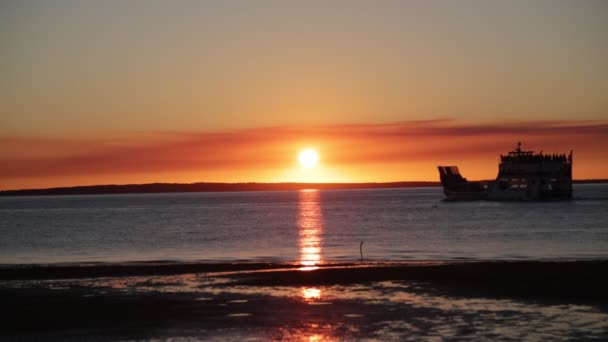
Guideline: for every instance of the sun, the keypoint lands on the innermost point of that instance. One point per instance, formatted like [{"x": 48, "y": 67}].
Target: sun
[{"x": 308, "y": 158}]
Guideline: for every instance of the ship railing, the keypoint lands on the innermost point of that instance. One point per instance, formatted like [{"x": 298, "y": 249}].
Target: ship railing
[{"x": 536, "y": 158}]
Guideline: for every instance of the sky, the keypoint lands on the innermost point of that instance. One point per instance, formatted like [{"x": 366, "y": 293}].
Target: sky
[{"x": 99, "y": 92}]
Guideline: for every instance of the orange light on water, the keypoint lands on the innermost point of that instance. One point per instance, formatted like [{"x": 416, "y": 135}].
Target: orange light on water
[
  {"x": 311, "y": 293},
  {"x": 317, "y": 337},
  {"x": 310, "y": 227}
]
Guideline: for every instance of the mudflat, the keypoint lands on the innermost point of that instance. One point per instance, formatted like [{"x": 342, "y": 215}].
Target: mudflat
[{"x": 388, "y": 301}]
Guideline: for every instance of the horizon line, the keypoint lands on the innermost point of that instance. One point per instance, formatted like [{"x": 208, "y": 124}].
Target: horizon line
[{"x": 230, "y": 186}]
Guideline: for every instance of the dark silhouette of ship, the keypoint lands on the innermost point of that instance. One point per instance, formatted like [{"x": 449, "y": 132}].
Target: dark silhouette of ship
[{"x": 522, "y": 176}]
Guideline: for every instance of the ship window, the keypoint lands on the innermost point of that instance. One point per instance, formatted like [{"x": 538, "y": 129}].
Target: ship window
[{"x": 518, "y": 183}]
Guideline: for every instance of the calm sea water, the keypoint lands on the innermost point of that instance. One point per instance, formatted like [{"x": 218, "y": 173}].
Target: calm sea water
[{"x": 307, "y": 227}]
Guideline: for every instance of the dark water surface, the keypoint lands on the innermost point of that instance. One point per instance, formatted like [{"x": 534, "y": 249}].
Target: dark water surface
[{"x": 307, "y": 227}]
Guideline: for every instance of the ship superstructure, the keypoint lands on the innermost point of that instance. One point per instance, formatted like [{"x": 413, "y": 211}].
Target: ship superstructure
[{"x": 522, "y": 176}]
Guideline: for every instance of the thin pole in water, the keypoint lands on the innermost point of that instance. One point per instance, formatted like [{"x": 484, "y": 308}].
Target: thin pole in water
[{"x": 361, "y": 250}]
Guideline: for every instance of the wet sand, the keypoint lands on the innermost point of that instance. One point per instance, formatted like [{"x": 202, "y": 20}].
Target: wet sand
[{"x": 386, "y": 301}]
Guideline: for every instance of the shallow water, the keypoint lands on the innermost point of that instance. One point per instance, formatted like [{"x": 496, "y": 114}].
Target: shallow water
[
  {"x": 308, "y": 227},
  {"x": 203, "y": 307}
]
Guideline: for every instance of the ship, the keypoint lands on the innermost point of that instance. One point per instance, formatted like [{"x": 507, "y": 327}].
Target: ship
[{"x": 522, "y": 176}]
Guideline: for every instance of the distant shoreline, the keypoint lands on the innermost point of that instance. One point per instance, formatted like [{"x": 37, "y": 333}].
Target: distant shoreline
[
  {"x": 223, "y": 187},
  {"x": 205, "y": 187}
]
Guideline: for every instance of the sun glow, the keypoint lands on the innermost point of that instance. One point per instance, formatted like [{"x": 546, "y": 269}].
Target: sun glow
[{"x": 308, "y": 158}]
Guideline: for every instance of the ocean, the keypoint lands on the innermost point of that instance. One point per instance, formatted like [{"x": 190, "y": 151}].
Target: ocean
[{"x": 307, "y": 227}]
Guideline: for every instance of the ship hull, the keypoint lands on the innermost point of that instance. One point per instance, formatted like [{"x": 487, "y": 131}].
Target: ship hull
[
  {"x": 530, "y": 193},
  {"x": 522, "y": 176}
]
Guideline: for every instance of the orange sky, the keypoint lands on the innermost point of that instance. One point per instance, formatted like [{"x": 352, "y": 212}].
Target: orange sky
[
  {"x": 401, "y": 151},
  {"x": 229, "y": 91}
]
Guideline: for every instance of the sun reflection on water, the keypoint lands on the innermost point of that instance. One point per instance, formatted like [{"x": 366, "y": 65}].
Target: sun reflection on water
[
  {"x": 317, "y": 337},
  {"x": 310, "y": 225},
  {"x": 311, "y": 293}
]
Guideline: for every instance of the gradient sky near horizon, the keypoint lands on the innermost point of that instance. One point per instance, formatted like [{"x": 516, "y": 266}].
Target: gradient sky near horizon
[{"x": 97, "y": 92}]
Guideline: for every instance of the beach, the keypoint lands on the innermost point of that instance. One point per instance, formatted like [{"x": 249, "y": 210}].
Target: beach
[{"x": 263, "y": 301}]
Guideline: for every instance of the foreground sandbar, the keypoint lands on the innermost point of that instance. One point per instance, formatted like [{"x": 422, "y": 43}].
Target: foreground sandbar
[{"x": 388, "y": 301}]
